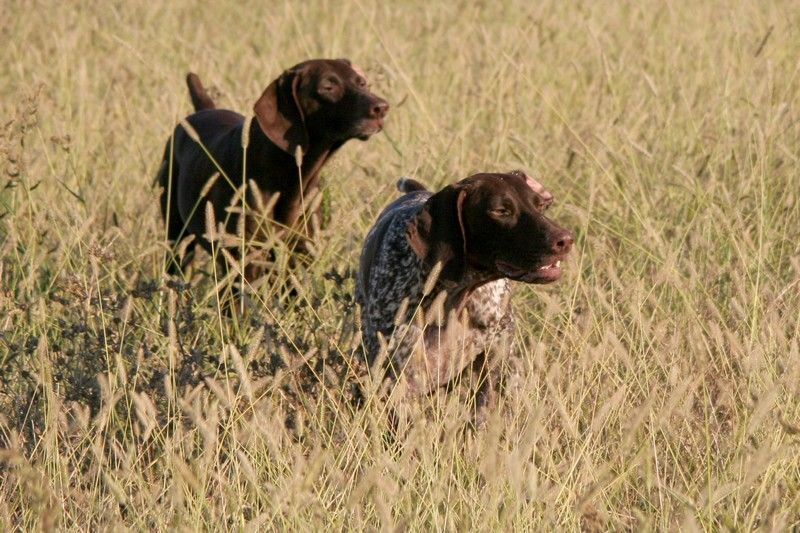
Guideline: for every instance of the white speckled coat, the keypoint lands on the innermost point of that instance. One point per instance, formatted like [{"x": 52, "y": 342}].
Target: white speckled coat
[{"x": 430, "y": 338}]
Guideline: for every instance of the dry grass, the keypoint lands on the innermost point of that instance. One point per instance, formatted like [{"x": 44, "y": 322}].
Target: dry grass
[{"x": 660, "y": 379}]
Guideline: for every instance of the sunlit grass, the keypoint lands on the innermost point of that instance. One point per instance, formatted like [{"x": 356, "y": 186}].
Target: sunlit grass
[{"x": 657, "y": 383}]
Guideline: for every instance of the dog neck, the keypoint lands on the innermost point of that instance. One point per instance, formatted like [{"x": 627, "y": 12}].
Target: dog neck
[
  {"x": 459, "y": 291},
  {"x": 295, "y": 184}
]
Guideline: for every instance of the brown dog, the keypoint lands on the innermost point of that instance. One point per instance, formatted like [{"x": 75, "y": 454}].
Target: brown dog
[
  {"x": 215, "y": 156},
  {"x": 434, "y": 276}
]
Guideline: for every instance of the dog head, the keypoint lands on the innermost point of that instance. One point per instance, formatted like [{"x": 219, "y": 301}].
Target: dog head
[
  {"x": 321, "y": 100},
  {"x": 494, "y": 223}
]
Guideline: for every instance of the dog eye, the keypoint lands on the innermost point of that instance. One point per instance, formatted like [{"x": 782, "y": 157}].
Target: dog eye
[{"x": 500, "y": 212}]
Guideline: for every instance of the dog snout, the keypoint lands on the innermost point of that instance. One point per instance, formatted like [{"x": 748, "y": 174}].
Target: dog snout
[
  {"x": 561, "y": 241},
  {"x": 379, "y": 108}
]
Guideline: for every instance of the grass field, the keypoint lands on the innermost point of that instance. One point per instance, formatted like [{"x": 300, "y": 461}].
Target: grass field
[{"x": 661, "y": 375}]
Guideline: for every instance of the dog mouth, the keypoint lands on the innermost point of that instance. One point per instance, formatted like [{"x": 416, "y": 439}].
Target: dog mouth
[
  {"x": 369, "y": 127},
  {"x": 548, "y": 271}
]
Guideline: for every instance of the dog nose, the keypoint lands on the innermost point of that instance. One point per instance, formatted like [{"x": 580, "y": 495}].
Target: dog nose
[
  {"x": 561, "y": 242},
  {"x": 379, "y": 109}
]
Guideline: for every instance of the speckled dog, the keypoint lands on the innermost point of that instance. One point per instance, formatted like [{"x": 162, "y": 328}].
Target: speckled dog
[{"x": 433, "y": 280}]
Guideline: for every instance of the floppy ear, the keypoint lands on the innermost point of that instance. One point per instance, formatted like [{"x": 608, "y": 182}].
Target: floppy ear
[
  {"x": 544, "y": 198},
  {"x": 436, "y": 234},
  {"x": 280, "y": 114}
]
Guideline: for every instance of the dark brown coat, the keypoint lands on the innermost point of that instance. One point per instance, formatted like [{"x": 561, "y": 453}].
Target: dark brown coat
[{"x": 214, "y": 155}]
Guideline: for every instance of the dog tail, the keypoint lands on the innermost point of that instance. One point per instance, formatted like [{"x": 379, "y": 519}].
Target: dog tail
[
  {"x": 200, "y": 98},
  {"x": 406, "y": 184}
]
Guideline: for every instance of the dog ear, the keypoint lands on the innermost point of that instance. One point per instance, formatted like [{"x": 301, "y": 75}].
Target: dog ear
[
  {"x": 437, "y": 235},
  {"x": 280, "y": 114},
  {"x": 544, "y": 198}
]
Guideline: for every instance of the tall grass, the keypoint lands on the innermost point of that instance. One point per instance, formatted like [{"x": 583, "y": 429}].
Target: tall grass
[{"x": 659, "y": 380}]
